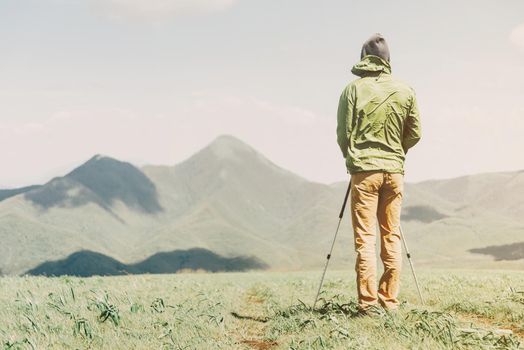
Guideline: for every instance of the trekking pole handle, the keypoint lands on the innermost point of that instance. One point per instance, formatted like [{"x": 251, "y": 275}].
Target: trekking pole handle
[{"x": 345, "y": 201}]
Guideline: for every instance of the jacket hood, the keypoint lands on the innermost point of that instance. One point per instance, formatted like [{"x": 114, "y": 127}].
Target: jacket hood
[{"x": 371, "y": 64}]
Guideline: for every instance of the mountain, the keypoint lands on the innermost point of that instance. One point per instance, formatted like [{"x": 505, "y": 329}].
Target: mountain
[
  {"x": 499, "y": 193},
  {"x": 480, "y": 211},
  {"x": 102, "y": 181},
  {"x": 232, "y": 201}
]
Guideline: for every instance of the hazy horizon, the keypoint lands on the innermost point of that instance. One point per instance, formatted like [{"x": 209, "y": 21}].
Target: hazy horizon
[
  {"x": 72, "y": 166},
  {"x": 279, "y": 165},
  {"x": 152, "y": 82}
]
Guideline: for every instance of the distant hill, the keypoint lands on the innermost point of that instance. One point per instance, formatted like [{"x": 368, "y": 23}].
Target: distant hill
[
  {"x": 86, "y": 263},
  {"x": 232, "y": 201}
]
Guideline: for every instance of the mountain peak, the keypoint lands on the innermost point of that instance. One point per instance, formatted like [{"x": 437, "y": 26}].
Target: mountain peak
[
  {"x": 227, "y": 149},
  {"x": 227, "y": 146},
  {"x": 228, "y": 157},
  {"x": 98, "y": 158},
  {"x": 101, "y": 180}
]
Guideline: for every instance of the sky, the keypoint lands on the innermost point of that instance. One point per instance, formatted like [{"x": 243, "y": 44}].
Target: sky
[{"x": 154, "y": 81}]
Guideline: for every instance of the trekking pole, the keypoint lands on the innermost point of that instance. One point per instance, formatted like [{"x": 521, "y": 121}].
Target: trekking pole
[
  {"x": 411, "y": 264},
  {"x": 333, "y": 244}
]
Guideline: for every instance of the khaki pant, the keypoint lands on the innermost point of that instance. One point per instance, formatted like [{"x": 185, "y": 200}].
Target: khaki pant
[{"x": 377, "y": 195}]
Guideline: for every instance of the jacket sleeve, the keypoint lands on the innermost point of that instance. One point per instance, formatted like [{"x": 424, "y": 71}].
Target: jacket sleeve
[
  {"x": 344, "y": 117},
  {"x": 412, "y": 130}
]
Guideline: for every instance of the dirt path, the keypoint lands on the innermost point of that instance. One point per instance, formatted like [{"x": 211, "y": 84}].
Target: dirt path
[
  {"x": 252, "y": 321},
  {"x": 490, "y": 324}
]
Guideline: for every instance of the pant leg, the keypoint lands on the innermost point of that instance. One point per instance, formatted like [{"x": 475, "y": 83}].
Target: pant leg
[
  {"x": 364, "y": 199},
  {"x": 388, "y": 213}
]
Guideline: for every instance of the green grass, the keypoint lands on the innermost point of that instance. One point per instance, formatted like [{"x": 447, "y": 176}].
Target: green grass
[{"x": 263, "y": 310}]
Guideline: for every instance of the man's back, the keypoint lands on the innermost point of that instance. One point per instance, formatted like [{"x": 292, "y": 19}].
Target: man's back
[{"x": 378, "y": 119}]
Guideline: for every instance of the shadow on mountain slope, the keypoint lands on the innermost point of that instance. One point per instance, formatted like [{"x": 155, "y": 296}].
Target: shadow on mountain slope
[
  {"x": 422, "y": 213},
  {"x": 86, "y": 263},
  {"x": 101, "y": 180},
  {"x": 514, "y": 251}
]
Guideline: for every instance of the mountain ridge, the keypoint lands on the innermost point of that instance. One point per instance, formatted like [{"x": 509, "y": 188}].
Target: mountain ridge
[{"x": 231, "y": 200}]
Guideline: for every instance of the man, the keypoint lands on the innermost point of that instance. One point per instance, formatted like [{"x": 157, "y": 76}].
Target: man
[{"x": 378, "y": 122}]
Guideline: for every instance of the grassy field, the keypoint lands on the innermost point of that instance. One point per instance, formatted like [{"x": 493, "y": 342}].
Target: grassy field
[{"x": 465, "y": 309}]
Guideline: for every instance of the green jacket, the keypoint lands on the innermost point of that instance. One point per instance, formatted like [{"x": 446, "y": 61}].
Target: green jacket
[{"x": 378, "y": 119}]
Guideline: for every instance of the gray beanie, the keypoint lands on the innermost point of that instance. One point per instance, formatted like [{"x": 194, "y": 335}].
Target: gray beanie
[{"x": 377, "y": 46}]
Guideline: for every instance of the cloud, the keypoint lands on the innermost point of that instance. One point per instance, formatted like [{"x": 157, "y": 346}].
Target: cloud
[
  {"x": 516, "y": 36},
  {"x": 157, "y": 10}
]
